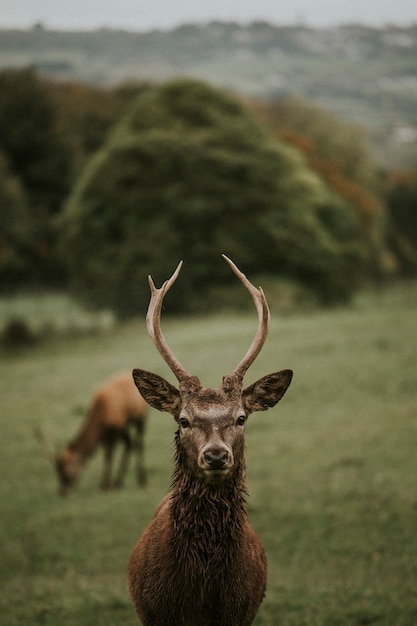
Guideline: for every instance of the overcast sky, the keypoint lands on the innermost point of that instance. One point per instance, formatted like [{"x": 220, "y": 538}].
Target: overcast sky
[{"x": 148, "y": 14}]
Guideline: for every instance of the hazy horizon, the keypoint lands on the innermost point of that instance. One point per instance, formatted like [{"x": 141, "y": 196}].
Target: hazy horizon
[{"x": 151, "y": 14}]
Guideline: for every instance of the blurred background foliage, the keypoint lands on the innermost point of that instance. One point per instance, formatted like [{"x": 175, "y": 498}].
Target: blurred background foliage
[
  {"x": 189, "y": 173},
  {"x": 102, "y": 186}
]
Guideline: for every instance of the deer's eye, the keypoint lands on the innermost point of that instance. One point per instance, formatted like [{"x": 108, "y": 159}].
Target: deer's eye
[
  {"x": 241, "y": 420},
  {"x": 184, "y": 422}
]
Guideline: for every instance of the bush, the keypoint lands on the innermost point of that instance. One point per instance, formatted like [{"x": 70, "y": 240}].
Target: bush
[
  {"x": 402, "y": 231},
  {"x": 15, "y": 229},
  {"x": 39, "y": 160},
  {"x": 190, "y": 174}
]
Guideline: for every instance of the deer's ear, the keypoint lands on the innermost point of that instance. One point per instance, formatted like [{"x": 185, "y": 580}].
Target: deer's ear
[
  {"x": 266, "y": 392},
  {"x": 157, "y": 391}
]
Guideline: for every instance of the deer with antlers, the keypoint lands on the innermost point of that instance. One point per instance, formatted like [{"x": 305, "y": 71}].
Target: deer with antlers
[
  {"x": 117, "y": 413},
  {"x": 199, "y": 560}
]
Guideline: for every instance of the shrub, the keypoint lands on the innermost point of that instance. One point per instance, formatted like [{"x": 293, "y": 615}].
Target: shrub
[{"x": 190, "y": 174}]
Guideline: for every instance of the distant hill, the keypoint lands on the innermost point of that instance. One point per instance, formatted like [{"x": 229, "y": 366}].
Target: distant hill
[{"x": 363, "y": 74}]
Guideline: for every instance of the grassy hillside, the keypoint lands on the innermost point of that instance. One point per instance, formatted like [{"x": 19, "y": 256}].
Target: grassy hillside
[{"x": 331, "y": 470}]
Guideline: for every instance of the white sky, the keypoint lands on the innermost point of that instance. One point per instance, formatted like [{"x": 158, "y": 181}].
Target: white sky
[{"x": 147, "y": 14}]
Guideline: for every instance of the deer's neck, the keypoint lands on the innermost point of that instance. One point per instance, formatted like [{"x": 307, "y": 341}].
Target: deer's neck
[
  {"x": 208, "y": 520},
  {"x": 87, "y": 440}
]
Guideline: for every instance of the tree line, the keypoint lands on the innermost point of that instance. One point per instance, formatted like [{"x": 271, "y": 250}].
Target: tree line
[{"x": 99, "y": 187}]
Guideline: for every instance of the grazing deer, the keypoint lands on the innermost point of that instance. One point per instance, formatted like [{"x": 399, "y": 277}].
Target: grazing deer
[
  {"x": 199, "y": 562},
  {"x": 114, "y": 408}
]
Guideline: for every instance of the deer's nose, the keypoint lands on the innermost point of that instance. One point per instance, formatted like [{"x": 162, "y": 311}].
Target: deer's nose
[{"x": 216, "y": 458}]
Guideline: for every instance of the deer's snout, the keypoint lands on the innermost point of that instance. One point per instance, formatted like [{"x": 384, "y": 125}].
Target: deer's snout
[{"x": 216, "y": 458}]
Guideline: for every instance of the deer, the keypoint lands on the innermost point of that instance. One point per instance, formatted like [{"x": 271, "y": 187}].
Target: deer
[
  {"x": 199, "y": 561},
  {"x": 116, "y": 409}
]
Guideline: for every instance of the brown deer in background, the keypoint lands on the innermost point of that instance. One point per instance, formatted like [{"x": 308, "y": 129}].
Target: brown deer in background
[
  {"x": 199, "y": 562},
  {"x": 117, "y": 413}
]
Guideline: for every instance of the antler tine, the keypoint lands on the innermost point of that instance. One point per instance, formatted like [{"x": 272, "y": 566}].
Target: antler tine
[
  {"x": 261, "y": 304},
  {"x": 153, "y": 324}
]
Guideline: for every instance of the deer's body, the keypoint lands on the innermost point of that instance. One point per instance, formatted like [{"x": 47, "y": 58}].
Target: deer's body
[
  {"x": 200, "y": 537},
  {"x": 117, "y": 413},
  {"x": 199, "y": 562},
  {"x": 219, "y": 558}
]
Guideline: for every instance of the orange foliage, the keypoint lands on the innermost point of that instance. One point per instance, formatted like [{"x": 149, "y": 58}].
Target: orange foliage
[
  {"x": 401, "y": 177},
  {"x": 85, "y": 114},
  {"x": 366, "y": 205}
]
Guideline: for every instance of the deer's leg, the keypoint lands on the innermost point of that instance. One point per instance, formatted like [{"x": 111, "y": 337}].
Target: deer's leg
[
  {"x": 139, "y": 451},
  {"x": 124, "y": 461}
]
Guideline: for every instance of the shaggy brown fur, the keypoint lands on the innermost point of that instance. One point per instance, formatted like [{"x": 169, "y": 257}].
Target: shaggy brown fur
[{"x": 199, "y": 561}]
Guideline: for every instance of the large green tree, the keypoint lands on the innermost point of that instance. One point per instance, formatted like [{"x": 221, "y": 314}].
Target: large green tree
[
  {"x": 38, "y": 158},
  {"x": 402, "y": 230},
  {"x": 189, "y": 173},
  {"x": 15, "y": 229},
  {"x": 47, "y": 132}
]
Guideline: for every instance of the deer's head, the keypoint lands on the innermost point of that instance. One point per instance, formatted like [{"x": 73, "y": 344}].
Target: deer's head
[
  {"x": 68, "y": 468},
  {"x": 66, "y": 463},
  {"x": 210, "y": 438}
]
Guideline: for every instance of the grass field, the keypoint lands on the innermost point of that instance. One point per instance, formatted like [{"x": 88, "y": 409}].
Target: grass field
[{"x": 331, "y": 470}]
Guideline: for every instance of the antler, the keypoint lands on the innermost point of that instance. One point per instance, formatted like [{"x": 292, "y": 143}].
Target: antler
[
  {"x": 259, "y": 299},
  {"x": 153, "y": 324}
]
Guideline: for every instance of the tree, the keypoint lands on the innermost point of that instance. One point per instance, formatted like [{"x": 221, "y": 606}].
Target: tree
[
  {"x": 47, "y": 132},
  {"x": 28, "y": 137},
  {"x": 37, "y": 157},
  {"x": 333, "y": 140},
  {"x": 189, "y": 173},
  {"x": 402, "y": 228},
  {"x": 15, "y": 229},
  {"x": 338, "y": 151},
  {"x": 85, "y": 114}
]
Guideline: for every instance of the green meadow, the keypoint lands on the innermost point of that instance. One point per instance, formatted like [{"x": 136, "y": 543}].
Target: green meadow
[{"x": 332, "y": 470}]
